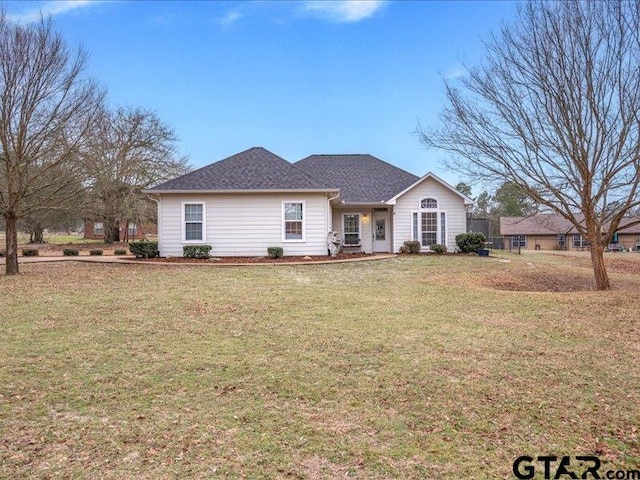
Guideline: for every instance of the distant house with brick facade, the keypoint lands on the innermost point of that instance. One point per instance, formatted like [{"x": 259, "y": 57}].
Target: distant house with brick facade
[
  {"x": 129, "y": 232},
  {"x": 554, "y": 232}
]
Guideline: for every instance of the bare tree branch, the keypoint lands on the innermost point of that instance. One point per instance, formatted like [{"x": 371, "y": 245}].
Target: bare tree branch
[
  {"x": 47, "y": 111},
  {"x": 555, "y": 109}
]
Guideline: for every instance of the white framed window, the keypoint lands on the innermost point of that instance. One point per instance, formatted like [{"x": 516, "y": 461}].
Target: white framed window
[
  {"x": 193, "y": 222},
  {"x": 351, "y": 229},
  {"x": 132, "y": 229},
  {"x": 579, "y": 241},
  {"x": 519, "y": 241},
  {"x": 293, "y": 217},
  {"x": 429, "y": 223},
  {"x": 428, "y": 203},
  {"x": 98, "y": 228}
]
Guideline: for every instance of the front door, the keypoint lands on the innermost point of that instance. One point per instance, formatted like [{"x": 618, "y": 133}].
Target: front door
[{"x": 381, "y": 231}]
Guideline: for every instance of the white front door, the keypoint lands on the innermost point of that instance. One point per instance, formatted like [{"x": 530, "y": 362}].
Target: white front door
[{"x": 381, "y": 232}]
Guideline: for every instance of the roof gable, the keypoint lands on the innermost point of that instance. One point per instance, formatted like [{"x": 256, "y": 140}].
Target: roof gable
[
  {"x": 467, "y": 200},
  {"x": 361, "y": 178},
  {"x": 253, "y": 169}
]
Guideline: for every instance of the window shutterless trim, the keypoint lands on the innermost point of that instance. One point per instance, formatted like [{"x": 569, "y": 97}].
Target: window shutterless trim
[
  {"x": 284, "y": 222},
  {"x": 344, "y": 233},
  {"x": 204, "y": 222}
]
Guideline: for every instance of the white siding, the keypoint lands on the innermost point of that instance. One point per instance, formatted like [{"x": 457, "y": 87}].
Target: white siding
[
  {"x": 366, "y": 234},
  {"x": 244, "y": 224},
  {"x": 448, "y": 201}
]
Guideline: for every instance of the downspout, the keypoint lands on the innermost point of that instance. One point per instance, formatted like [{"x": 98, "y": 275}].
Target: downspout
[
  {"x": 326, "y": 222},
  {"x": 157, "y": 200}
]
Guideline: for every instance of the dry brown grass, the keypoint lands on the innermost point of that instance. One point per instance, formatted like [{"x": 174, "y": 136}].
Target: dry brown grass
[{"x": 432, "y": 367}]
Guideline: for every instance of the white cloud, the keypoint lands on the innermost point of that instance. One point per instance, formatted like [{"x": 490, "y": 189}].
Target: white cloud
[
  {"x": 454, "y": 73},
  {"x": 343, "y": 11},
  {"x": 230, "y": 19},
  {"x": 52, "y": 8}
]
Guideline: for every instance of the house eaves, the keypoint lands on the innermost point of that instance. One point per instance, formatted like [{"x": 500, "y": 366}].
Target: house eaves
[{"x": 202, "y": 192}]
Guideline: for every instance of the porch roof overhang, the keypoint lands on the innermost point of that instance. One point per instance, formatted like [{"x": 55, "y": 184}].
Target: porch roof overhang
[{"x": 380, "y": 204}]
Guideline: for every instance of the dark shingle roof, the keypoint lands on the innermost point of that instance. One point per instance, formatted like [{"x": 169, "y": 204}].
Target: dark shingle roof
[
  {"x": 253, "y": 169},
  {"x": 552, "y": 224},
  {"x": 360, "y": 178}
]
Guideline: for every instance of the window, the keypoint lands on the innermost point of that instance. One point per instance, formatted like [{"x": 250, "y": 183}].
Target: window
[
  {"x": 561, "y": 240},
  {"x": 428, "y": 203},
  {"x": 98, "y": 228},
  {"x": 429, "y": 221},
  {"x": 519, "y": 241},
  {"x": 293, "y": 213},
  {"x": 351, "y": 228},
  {"x": 579, "y": 241},
  {"x": 193, "y": 215},
  {"x": 429, "y": 225},
  {"x": 132, "y": 230}
]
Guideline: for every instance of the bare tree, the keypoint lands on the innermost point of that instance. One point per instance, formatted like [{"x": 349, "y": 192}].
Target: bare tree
[
  {"x": 555, "y": 109},
  {"x": 46, "y": 111},
  {"x": 131, "y": 150}
]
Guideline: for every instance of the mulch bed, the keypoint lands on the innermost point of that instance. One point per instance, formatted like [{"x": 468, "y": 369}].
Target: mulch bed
[
  {"x": 287, "y": 259},
  {"x": 52, "y": 248}
]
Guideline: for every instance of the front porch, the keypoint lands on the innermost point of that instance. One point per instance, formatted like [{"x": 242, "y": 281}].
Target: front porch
[{"x": 364, "y": 228}]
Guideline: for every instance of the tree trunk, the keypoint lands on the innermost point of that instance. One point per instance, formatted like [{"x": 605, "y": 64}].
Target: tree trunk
[
  {"x": 11, "y": 230},
  {"x": 37, "y": 234},
  {"x": 111, "y": 231},
  {"x": 599, "y": 269}
]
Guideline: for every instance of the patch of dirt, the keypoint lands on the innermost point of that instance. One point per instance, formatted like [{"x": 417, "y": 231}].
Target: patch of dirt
[
  {"x": 542, "y": 281},
  {"x": 287, "y": 259}
]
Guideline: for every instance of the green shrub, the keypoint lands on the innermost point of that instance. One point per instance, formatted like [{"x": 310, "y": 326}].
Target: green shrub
[
  {"x": 70, "y": 252},
  {"x": 30, "y": 252},
  {"x": 196, "y": 251},
  {"x": 95, "y": 253},
  {"x": 470, "y": 242},
  {"x": 119, "y": 251},
  {"x": 438, "y": 248},
  {"x": 144, "y": 249},
  {"x": 411, "y": 246},
  {"x": 275, "y": 252}
]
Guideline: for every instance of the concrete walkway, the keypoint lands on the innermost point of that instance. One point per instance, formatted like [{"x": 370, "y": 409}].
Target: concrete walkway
[{"x": 128, "y": 259}]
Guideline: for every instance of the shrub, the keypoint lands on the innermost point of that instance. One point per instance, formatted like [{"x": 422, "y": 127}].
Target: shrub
[
  {"x": 70, "y": 252},
  {"x": 196, "y": 251},
  {"x": 30, "y": 252},
  {"x": 470, "y": 242},
  {"x": 275, "y": 252},
  {"x": 144, "y": 249},
  {"x": 438, "y": 248},
  {"x": 411, "y": 246},
  {"x": 119, "y": 251},
  {"x": 95, "y": 253}
]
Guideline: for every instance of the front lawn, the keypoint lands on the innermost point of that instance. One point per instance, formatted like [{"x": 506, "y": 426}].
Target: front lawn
[{"x": 414, "y": 367}]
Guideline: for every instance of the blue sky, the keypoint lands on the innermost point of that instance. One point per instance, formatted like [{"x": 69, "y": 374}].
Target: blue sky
[{"x": 297, "y": 78}]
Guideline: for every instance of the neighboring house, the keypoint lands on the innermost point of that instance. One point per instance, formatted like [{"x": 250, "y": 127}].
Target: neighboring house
[
  {"x": 554, "y": 232},
  {"x": 128, "y": 232},
  {"x": 255, "y": 199}
]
